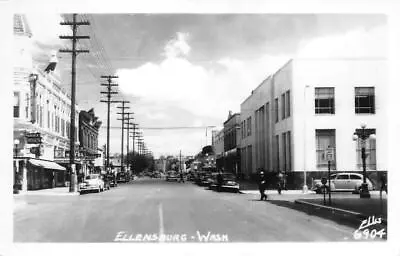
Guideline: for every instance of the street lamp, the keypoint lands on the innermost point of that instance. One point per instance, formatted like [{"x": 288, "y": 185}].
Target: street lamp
[
  {"x": 16, "y": 143},
  {"x": 363, "y": 136}
]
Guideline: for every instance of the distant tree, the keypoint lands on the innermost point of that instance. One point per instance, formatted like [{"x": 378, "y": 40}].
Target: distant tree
[{"x": 207, "y": 150}]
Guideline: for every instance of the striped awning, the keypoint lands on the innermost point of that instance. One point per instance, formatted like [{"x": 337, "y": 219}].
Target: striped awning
[{"x": 47, "y": 164}]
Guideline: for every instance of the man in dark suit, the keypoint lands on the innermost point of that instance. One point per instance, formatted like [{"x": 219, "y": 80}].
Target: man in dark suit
[{"x": 262, "y": 185}]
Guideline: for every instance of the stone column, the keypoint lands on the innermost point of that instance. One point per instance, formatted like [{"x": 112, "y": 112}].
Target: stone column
[
  {"x": 16, "y": 171},
  {"x": 24, "y": 176}
]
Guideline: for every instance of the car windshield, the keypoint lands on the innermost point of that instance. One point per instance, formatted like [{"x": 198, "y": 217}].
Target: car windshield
[
  {"x": 92, "y": 177},
  {"x": 228, "y": 176}
]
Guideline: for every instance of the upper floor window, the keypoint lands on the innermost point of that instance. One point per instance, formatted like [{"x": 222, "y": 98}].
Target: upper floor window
[
  {"x": 67, "y": 128},
  {"x": 243, "y": 130},
  {"x": 365, "y": 100},
  {"x": 27, "y": 106},
  {"x": 62, "y": 128},
  {"x": 287, "y": 103},
  {"x": 249, "y": 126},
  {"x": 283, "y": 109},
  {"x": 48, "y": 118},
  {"x": 41, "y": 116},
  {"x": 276, "y": 110},
  {"x": 325, "y": 100},
  {"x": 16, "y": 104}
]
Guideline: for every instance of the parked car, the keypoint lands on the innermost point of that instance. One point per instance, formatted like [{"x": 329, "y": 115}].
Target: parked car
[
  {"x": 228, "y": 182},
  {"x": 156, "y": 175},
  {"x": 112, "y": 180},
  {"x": 209, "y": 179},
  {"x": 204, "y": 179},
  {"x": 122, "y": 177},
  {"x": 91, "y": 182},
  {"x": 198, "y": 177},
  {"x": 343, "y": 182},
  {"x": 172, "y": 176},
  {"x": 190, "y": 176}
]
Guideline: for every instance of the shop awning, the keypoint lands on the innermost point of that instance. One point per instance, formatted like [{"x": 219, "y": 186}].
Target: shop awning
[{"x": 47, "y": 164}]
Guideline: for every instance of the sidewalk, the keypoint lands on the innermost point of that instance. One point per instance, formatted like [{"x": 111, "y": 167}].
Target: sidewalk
[
  {"x": 275, "y": 192},
  {"x": 59, "y": 191},
  {"x": 343, "y": 203},
  {"x": 361, "y": 207}
]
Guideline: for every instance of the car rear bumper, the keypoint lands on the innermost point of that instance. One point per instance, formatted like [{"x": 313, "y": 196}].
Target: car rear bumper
[
  {"x": 225, "y": 186},
  {"x": 88, "y": 188},
  {"x": 230, "y": 186}
]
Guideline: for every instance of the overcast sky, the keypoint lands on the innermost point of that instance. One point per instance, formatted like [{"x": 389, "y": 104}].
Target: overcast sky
[{"x": 191, "y": 69}]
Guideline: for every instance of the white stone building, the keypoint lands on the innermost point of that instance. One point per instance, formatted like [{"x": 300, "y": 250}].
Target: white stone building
[{"x": 292, "y": 117}]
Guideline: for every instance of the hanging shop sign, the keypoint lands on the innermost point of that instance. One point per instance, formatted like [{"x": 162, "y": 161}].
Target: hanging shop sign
[{"x": 33, "y": 138}]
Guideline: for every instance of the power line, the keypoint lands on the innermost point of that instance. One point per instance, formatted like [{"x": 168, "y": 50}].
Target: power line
[{"x": 168, "y": 128}]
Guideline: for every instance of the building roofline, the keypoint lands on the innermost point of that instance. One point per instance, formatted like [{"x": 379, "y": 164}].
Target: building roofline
[
  {"x": 232, "y": 116},
  {"x": 313, "y": 59}
]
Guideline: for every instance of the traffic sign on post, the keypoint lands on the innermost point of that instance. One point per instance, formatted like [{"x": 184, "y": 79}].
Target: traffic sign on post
[{"x": 329, "y": 154}]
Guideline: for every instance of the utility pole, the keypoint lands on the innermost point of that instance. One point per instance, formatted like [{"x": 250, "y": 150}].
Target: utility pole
[
  {"x": 139, "y": 143},
  {"x": 133, "y": 133},
  {"x": 123, "y": 107},
  {"x": 134, "y": 126},
  {"x": 109, "y": 93},
  {"x": 74, "y": 23},
  {"x": 127, "y": 136}
]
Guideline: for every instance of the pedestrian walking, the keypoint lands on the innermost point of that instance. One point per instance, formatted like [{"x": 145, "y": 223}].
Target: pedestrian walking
[
  {"x": 262, "y": 185},
  {"x": 383, "y": 184},
  {"x": 281, "y": 182}
]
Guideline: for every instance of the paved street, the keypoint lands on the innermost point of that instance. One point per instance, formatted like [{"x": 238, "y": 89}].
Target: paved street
[{"x": 156, "y": 207}]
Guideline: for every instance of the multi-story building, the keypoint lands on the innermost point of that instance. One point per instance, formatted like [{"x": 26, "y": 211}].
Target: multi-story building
[
  {"x": 218, "y": 146},
  {"x": 88, "y": 139},
  {"x": 232, "y": 144},
  {"x": 40, "y": 107},
  {"x": 309, "y": 105}
]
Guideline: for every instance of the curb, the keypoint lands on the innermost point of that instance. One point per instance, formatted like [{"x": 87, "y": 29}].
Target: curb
[
  {"x": 336, "y": 209},
  {"x": 274, "y": 192},
  {"x": 49, "y": 194}
]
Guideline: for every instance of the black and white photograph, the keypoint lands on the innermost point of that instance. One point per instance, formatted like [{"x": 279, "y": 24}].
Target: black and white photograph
[{"x": 133, "y": 127}]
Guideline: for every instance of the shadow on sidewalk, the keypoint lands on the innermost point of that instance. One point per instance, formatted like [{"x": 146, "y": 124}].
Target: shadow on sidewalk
[{"x": 349, "y": 220}]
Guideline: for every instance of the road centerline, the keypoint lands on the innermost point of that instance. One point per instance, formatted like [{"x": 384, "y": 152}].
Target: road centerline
[{"x": 161, "y": 222}]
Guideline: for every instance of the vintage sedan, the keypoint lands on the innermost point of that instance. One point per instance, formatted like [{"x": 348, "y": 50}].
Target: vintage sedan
[
  {"x": 228, "y": 182},
  {"x": 172, "y": 176},
  {"x": 344, "y": 182},
  {"x": 92, "y": 182}
]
